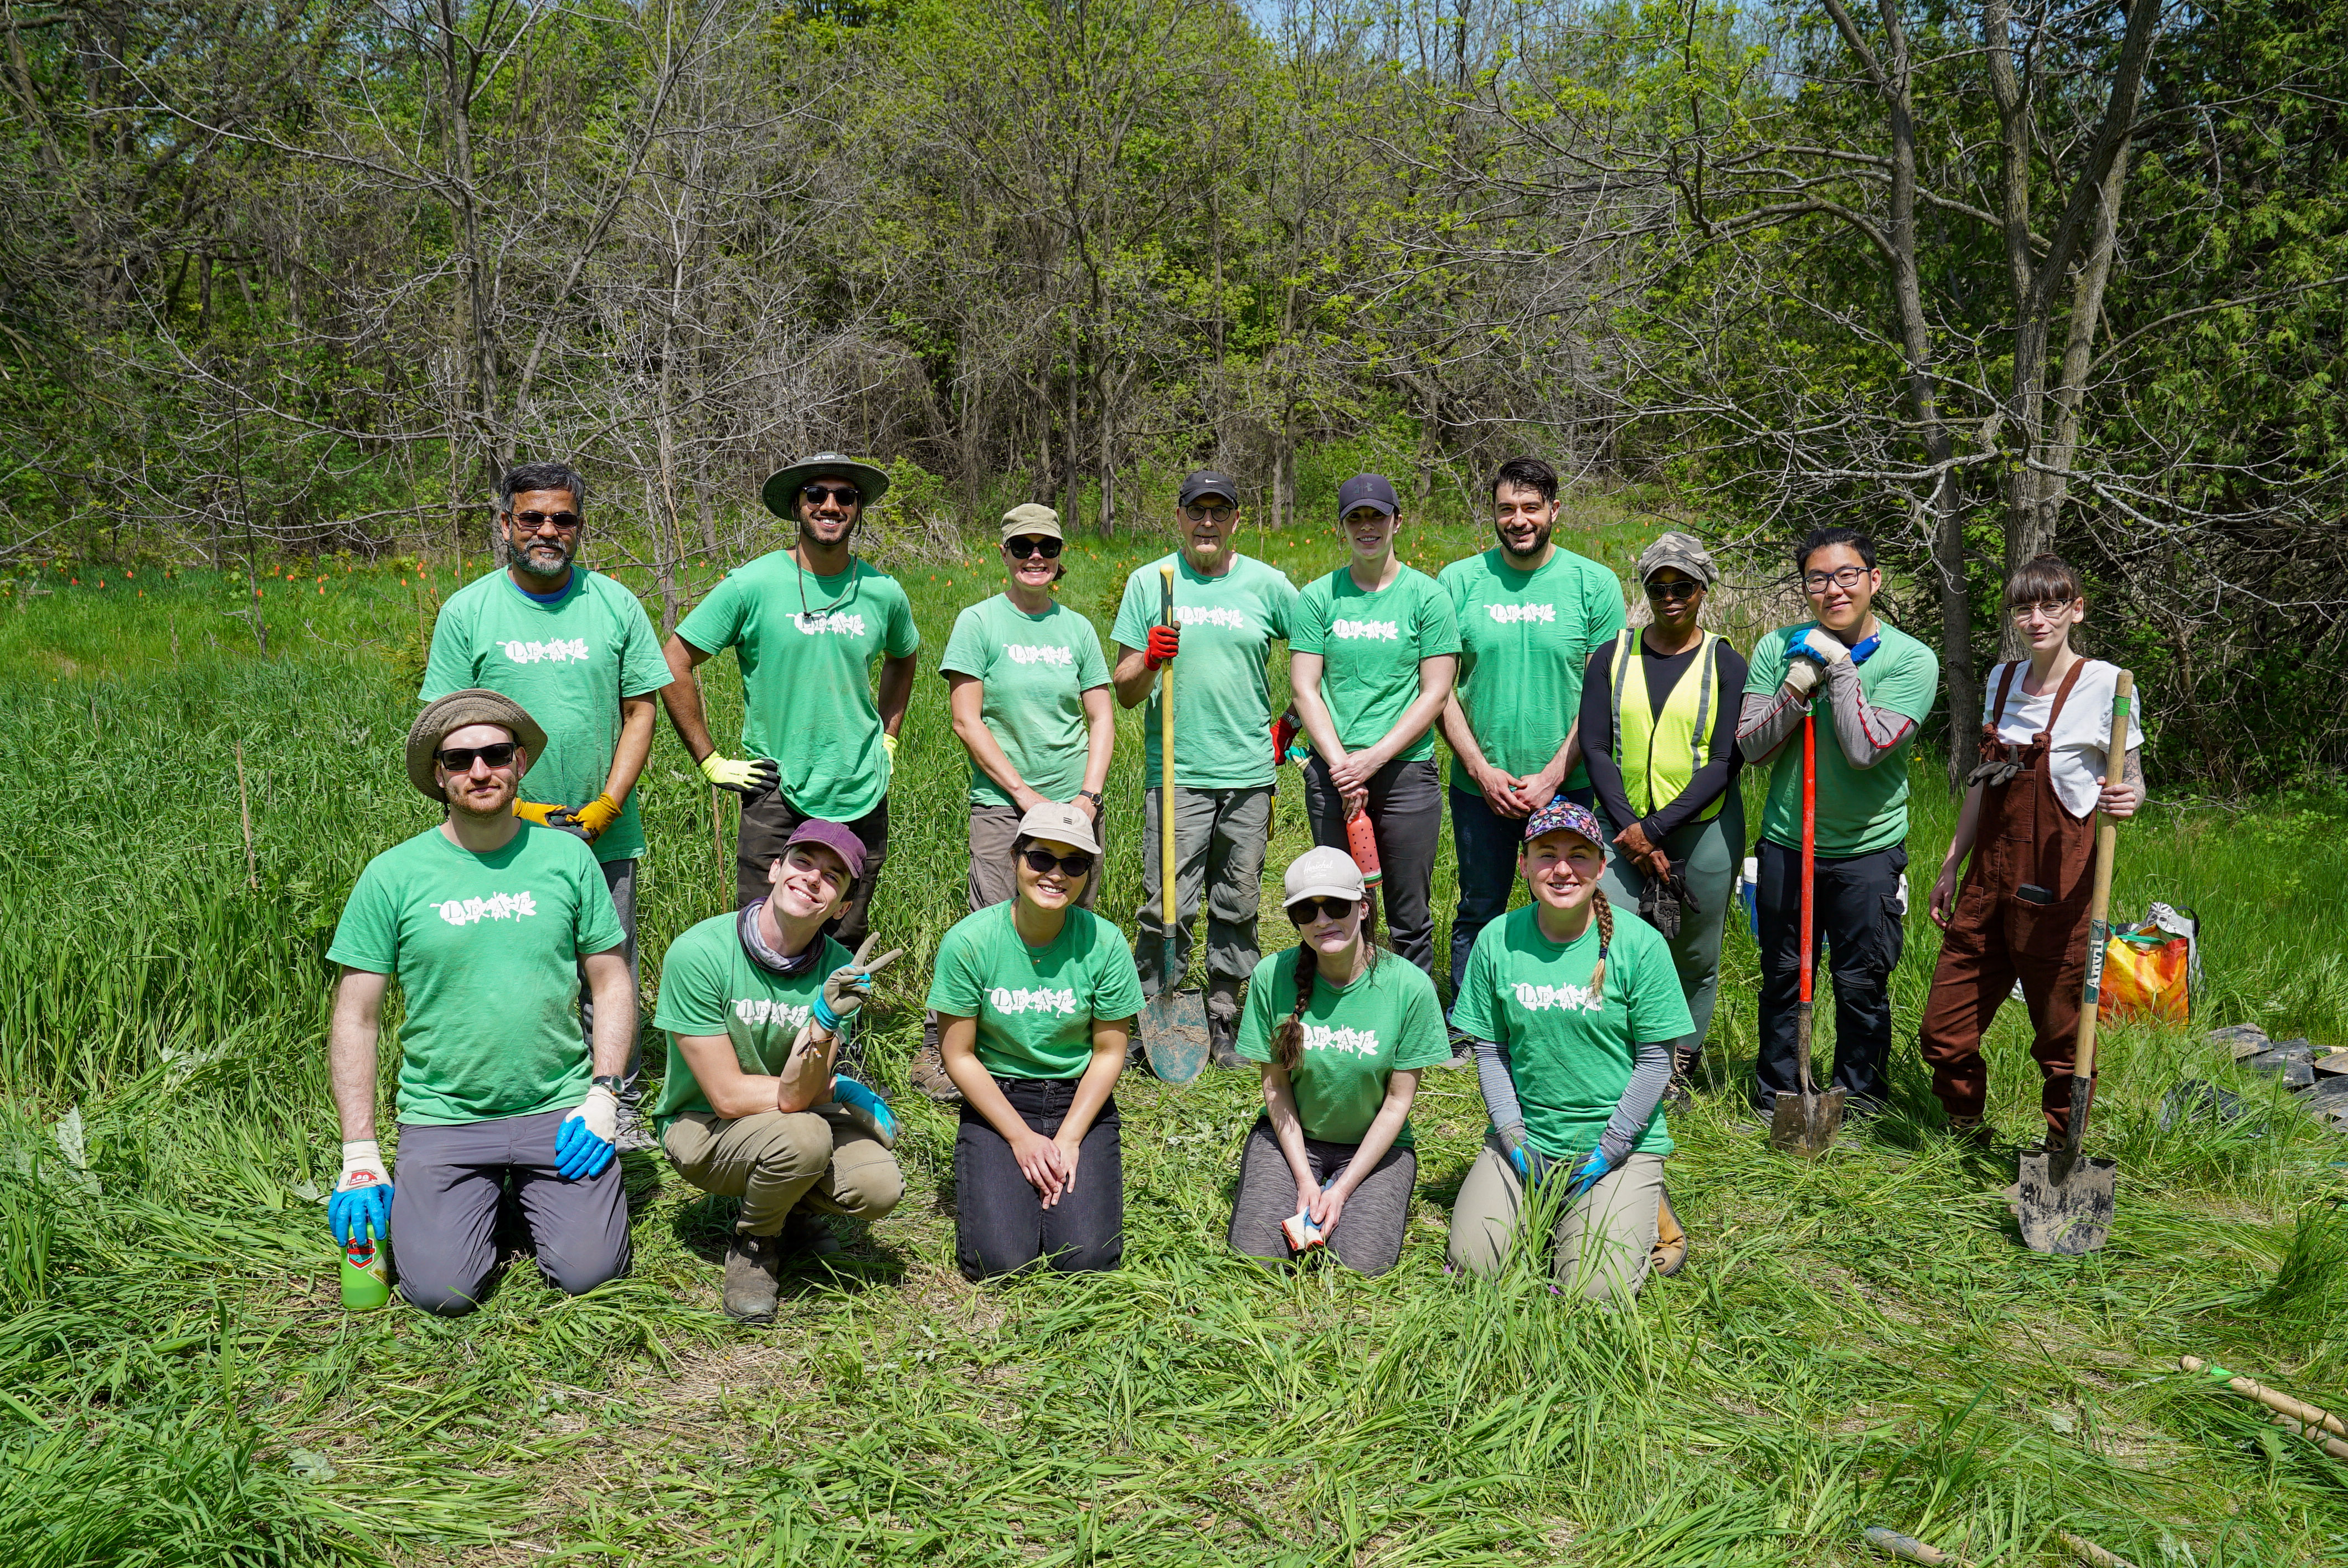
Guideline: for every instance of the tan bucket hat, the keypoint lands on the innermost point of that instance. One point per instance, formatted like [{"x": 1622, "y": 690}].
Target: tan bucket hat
[
  {"x": 443, "y": 715},
  {"x": 1031, "y": 519}
]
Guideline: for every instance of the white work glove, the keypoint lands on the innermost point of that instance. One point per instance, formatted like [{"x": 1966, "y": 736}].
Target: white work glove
[
  {"x": 361, "y": 1203},
  {"x": 1822, "y": 645},
  {"x": 1802, "y": 678}
]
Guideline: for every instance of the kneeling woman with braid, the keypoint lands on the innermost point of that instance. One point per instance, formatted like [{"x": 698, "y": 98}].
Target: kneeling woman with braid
[
  {"x": 1342, "y": 1031},
  {"x": 1574, "y": 1008}
]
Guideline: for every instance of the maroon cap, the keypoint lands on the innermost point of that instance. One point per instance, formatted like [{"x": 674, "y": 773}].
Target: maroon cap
[{"x": 834, "y": 837}]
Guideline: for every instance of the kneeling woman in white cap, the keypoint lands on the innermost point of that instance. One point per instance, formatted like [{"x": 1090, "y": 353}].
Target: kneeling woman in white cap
[
  {"x": 1573, "y": 1007},
  {"x": 1342, "y": 1029},
  {"x": 1035, "y": 1000}
]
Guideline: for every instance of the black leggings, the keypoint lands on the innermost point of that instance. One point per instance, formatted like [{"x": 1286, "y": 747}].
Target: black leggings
[{"x": 1001, "y": 1225}]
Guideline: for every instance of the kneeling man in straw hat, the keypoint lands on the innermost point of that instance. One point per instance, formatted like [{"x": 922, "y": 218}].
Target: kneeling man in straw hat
[{"x": 486, "y": 921}]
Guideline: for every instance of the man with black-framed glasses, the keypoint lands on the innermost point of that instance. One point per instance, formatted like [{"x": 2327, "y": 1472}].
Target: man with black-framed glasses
[
  {"x": 576, "y": 648},
  {"x": 818, "y": 735},
  {"x": 1229, "y": 610},
  {"x": 1881, "y": 684}
]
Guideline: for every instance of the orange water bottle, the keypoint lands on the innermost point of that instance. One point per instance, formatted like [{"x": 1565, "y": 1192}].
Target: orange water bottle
[{"x": 1362, "y": 843}]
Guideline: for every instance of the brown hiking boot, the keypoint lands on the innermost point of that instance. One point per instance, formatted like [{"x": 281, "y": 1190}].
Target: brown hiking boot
[
  {"x": 753, "y": 1278},
  {"x": 806, "y": 1236},
  {"x": 1223, "y": 1026},
  {"x": 928, "y": 1071},
  {"x": 1671, "y": 1249}
]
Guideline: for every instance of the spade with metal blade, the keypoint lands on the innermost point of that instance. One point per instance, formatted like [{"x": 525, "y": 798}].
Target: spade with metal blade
[
  {"x": 1174, "y": 1022},
  {"x": 1806, "y": 1124},
  {"x": 2066, "y": 1199}
]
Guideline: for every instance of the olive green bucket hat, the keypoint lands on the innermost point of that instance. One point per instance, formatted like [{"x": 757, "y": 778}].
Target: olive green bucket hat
[
  {"x": 445, "y": 715},
  {"x": 781, "y": 490}
]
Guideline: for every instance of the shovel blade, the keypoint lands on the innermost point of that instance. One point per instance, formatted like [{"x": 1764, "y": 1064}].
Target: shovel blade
[
  {"x": 1174, "y": 1035},
  {"x": 2065, "y": 1212},
  {"x": 1805, "y": 1125}
]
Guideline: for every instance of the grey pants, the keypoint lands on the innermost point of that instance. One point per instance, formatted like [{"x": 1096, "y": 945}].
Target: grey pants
[
  {"x": 767, "y": 823},
  {"x": 1220, "y": 836},
  {"x": 448, "y": 1182},
  {"x": 620, "y": 876},
  {"x": 1406, "y": 814},
  {"x": 993, "y": 878},
  {"x": 1711, "y": 850},
  {"x": 1368, "y": 1237},
  {"x": 1603, "y": 1242}
]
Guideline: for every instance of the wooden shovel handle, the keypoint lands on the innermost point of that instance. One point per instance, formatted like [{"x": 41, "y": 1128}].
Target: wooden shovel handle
[
  {"x": 2099, "y": 903},
  {"x": 2281, "y": 1403},
  {"x": 1166, "y": 858}
]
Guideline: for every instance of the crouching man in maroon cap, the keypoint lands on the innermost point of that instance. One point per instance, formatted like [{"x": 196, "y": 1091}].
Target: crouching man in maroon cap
[
  {"x": 487, "y": 921},
  {"x": 757, "y": 1004}
]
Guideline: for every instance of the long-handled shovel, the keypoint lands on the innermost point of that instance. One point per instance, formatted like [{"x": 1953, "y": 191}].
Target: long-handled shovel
[
  {"x": 1806, "y": 1124},
  {"x": 1174, "y": 1023},
  {"x": 2066, "y": 1201}
]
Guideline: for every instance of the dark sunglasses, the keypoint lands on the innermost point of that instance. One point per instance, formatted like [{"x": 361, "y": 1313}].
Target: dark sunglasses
[
  {"x": 533, "y": 521},
  {"x": 1684, "y": 589},
  {"x": 1041, "y": 861},
  {"x": 460, "y": 759},
  {"x": 816, "y": 494},
  {"x": 1305, "y": 909},
  {"x": 1023, "y": 547}
]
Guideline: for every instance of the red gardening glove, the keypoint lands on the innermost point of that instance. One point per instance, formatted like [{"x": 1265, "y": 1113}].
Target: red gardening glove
[
  {"x": 1284, "y": 735},
  {"x": 1165, "y": 641}
]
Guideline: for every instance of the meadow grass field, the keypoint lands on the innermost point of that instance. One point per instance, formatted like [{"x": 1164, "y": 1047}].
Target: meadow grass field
[{"x": 1859, "y": 1341}]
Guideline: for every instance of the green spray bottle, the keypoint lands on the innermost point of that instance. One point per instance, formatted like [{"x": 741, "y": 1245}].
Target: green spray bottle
[{"x": 366, "y": 1283}]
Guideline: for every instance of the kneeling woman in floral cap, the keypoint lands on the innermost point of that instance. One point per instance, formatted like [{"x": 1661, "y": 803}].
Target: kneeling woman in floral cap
[{"x": 1573, "y": 1007}]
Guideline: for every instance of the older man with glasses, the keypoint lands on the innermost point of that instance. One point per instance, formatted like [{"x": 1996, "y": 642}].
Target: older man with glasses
[
  {"x": 574, "y": 648},
  {"x": 1229, "y": 610},
  {"x": 818, "y": 741}
]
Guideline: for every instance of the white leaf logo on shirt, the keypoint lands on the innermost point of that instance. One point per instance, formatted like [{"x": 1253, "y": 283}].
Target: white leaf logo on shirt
[
  {"x": 1005, "y": 1000},
  {"x": 1376, "y": 631},
  {"x": 756, "y": 1011},
  {"x": 562, "y": 650},
  {"x": 496, "y": 906},
  {"x": 814, "y": 622},
  {"x": 1211, "y": 614},
  {"x": 1022, "y": 653},
  {"x": 1510, "y": 614},
  {"x": 1565, "y": 998},
  {"x": 1359, "y": 1042}
]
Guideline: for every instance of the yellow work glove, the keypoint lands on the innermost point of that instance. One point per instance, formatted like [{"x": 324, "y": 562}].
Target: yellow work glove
[
  {"x": 754, "y": 776},
  {"x": 598, "y": 815},
  {"x": 562, "y": 818},
  {"x": 889, "y": 744}
]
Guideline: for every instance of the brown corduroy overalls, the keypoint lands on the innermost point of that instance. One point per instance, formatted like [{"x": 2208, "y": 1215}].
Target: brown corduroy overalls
[{"x": 1995, "y": 936}]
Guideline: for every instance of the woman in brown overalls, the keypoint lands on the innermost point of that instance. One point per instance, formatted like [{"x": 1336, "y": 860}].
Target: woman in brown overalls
[{"x": 2029, "y": 824}]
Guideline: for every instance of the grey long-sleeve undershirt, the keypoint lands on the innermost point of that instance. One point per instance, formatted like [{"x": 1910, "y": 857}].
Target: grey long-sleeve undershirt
[
  {"x": 1650, "y": 1074},
  {"x": 1868, "y": 735}
]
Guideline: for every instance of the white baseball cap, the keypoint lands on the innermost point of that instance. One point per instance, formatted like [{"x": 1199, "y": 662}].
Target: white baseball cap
[{"x": 1322, "y": 873}]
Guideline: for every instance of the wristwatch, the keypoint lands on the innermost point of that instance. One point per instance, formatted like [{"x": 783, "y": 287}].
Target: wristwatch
[
  {"x": 1093, "y": 795},
  {"x": 606, "y": 1080}
]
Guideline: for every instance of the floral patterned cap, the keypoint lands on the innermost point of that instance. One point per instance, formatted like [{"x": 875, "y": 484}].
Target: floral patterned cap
[{"x": 1561, "y": 812}]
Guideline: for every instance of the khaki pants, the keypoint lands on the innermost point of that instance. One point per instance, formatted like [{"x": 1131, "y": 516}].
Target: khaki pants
[
  {"x": 993, "y": 830},
  {"x": 776, "y": 1159},
  {"x": 1601, "y": 1243}
]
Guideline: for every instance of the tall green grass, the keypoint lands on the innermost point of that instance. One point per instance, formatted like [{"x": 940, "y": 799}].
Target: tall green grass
[{"x": 1860, "y": 1341}]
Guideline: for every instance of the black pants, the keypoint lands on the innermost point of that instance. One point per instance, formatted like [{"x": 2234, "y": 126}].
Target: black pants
[
  {"x": 767, "y": 823},
  {"x": 1860, "y": 932},
  {"x": 1405, "y": 813},
  {"x": 1001, "y": 1225}
]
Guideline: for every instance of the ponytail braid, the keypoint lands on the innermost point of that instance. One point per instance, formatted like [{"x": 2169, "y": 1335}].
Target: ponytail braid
[
  {"x": 1288, "y": 1040},
  {"x": 1605, "y": 912}
]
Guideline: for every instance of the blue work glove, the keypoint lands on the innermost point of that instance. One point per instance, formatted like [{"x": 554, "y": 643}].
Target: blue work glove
[
  {"x": 849, "y": 986},
  {"x": 1589, "y": 1174},
  {"x": 863, "y": 1099},
  {"x": 588, "y": 1137},
  {"x": 361, "y": 1203},
  {"x": 1529, "y": 1163}
]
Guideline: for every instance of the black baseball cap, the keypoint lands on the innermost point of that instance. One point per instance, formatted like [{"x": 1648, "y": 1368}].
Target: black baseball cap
[
  {"x": 1366, "y": 490},
  {"x": 1209, "y": 482}
]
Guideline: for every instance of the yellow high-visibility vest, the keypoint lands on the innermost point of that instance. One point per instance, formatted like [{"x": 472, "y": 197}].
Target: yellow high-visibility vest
[{"x": 1660, "y": 755}]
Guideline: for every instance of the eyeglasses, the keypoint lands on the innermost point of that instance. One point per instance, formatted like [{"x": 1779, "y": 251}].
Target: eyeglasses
[
  {"x": 1041, "y": 862},
  {"x": 816, "y": 494},
  {"x": 1025, "y": 546},
  {"x": 1686, "y": 588},
  {"x": 460, "y": 759},
  {"x": 533, "y": 521},
  {"x": 1210, "y": 514},
  {"x": 2044, "y": 609},
  {"x": 1846, "y": 578},
  {"x": 1305, "y": 911}
]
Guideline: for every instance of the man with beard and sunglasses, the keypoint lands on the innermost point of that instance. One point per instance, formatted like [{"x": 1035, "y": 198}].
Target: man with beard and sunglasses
[
  {"x": 1529, "y": 616},
  {"x": 576, "y": 650},
  {"x": 818, "y": 739}
]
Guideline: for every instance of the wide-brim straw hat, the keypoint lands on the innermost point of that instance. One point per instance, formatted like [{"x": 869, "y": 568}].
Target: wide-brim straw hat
[
  {"x": 443, "y": 716},
  {"x": 781, "y": 490}
]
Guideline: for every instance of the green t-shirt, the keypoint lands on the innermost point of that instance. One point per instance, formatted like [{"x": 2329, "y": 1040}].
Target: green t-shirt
[
  {"x": 1370, "y": 646},
  {"x": 807, "y": 682},
  {"x": 709, "y": 984},
  {"x": 1222, "y": 695},
  {"x": 1035, "y": 670},
  {"x": 569, "y": 662},
  {"x": 1356, "y": 1037},
  {"x": 1571, "y": 1057},
  {"x": 1035, "y": 1007},
  {"x": 1525, "y": 637},
  {"x": 1860, "y": 810},
  {"x": 486, "y": 949}
]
